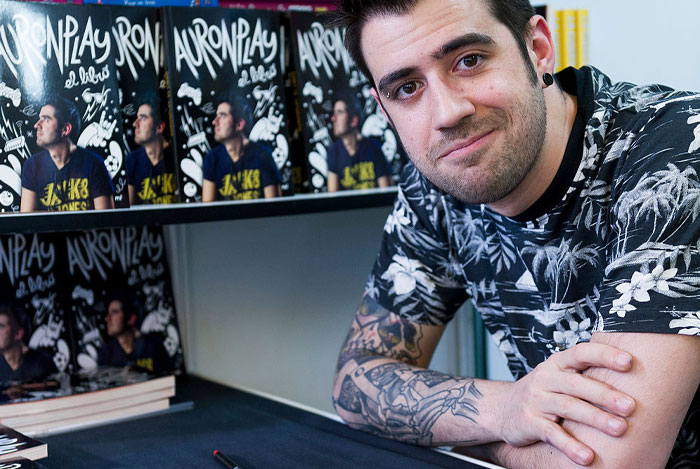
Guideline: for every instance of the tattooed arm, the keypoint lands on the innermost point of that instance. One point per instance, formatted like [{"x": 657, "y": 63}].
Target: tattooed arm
[{"x": 382, "y": 386}]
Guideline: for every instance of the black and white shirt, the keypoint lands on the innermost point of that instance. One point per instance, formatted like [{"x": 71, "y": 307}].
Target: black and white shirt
[{"x": 612, "y": 245}]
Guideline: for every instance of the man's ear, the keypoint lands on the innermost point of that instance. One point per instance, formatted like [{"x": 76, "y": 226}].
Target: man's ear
[
  {"x": 132, "y": 320},
  {"x": 240, "y": 125},
  {"x": 67, "y": 128},
  {"x": 355, "y": 122},
  {"x": 19, "y": 334},
  {"x": 541, "y": 46},
  {"x": 160, "y": 129}
]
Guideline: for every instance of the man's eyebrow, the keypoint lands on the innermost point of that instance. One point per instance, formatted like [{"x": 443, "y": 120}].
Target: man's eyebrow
[
  {"x": 468, "y": 39},
  {"x": 389, "y": 79}
]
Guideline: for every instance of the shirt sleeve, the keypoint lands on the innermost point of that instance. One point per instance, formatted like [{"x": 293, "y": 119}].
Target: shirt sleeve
[
  {"x": 332, "y": 158},
  {"x": 652, "y": 276},
  {"x": 131, "y": 168},
  {"x": 413, "y": 275},
  {"x": 29, "y": 174},
  {"x": 209, "y": 166},
  {"x": 100, "y": 181},
  {"x": 270, "y": 174},
  {"x": 381, "y": 166}
]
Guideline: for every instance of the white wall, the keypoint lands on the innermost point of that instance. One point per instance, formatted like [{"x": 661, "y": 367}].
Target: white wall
[{"x": 642, "y": 41}]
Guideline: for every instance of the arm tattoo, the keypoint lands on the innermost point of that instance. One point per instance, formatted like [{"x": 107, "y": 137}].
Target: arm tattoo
[
  {"x": 397, "y": 399},
  {"x": 377, "y": 331}
]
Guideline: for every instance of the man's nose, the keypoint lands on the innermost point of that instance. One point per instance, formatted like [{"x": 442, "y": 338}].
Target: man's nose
[{"x": 450, "y": 103}]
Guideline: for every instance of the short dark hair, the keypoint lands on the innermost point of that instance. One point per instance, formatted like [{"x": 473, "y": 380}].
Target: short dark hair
[
  {"x": 16, "y": 317},
  {"x": 353, "y": 106},
  {"x": 129, "y": 305},
  {"x": 66, "y": 112},
  {"x": 151, "y": 99},
  {"x": 354, "y": 14},
  {"x": 240, "y": 109}
]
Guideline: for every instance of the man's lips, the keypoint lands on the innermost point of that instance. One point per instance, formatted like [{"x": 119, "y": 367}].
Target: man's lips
[{"x": 466, "y": 146}]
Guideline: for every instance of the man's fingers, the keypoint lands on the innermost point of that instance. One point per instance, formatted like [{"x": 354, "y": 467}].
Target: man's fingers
[
  {"x": 572, "y": 448},
  {"x": 594, "y": 391},
  {"x": 570, "y": 408},
  {"x": 588, "y": 354}
]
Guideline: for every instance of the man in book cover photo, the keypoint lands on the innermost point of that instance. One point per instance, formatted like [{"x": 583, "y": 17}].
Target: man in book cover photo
[
  {"x": 354, "y": 161},
  {"x": 238, "y": 168},
  {"x": 126, "y": 345},
  {"x": 149, "y": 168},
  {"x": 18, "y": 362},
  {"x": 63, "y": 176}
]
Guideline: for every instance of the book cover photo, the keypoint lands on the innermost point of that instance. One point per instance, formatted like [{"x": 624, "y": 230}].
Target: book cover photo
[
  {"x": 35, "y": 339},
  {"x": 121, "y": 300},
  {"x": 227, "y": 96},
  {"x": 140, "y": 62},
  {"x": 15, "y": 445},
  {"x": 348, "y": 142},
  {"x": 60, "y": 125}
]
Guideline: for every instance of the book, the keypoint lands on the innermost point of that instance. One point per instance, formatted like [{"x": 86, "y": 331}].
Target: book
[
  {"x": 63, "y": 391},
  {"x": 150, "y": 161},
  {"x": 329, "y": 82},
  {"x": 15, "y": 445},
  {"x": 125, "y": 268},
  {"x": 58, "y": 90},
  {"x": 58, "y": 289},
  {"x": 226, "y": 85}
]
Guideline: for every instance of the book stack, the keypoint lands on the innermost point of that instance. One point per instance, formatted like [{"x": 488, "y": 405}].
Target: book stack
[
  {"x": 18, "y": 450},
  {"x": 69, "y": 402}
]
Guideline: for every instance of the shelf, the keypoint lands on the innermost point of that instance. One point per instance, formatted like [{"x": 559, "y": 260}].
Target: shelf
[{"x": 196, "y": 213}]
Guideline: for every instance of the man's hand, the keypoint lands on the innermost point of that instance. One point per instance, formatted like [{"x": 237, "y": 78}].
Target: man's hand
[{"x": 556, "y": 390}]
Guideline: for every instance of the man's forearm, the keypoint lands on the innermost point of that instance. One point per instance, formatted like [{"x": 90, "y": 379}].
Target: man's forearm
[{"x": 411, "y": 404}]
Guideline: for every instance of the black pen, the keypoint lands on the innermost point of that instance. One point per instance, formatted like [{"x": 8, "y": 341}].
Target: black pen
[{"x": 226, "y": 461}]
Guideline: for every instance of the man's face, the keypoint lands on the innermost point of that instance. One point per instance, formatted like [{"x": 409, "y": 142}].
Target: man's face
[
  {"x": 115, "y": 319},
  {"x": 8, "y": 335},
  {"x": 340, "y": 119},
  {"x": 47, "y": 130},
  {"x": 224, "y": 126},
  {"x": 460, "y": 95},
  {"x": 144, "y": 127}
]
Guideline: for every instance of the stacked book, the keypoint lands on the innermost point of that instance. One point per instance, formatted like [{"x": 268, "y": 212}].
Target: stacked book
[
  {"x": 18, "y": 450},
  {"x": 69, "y": 402}
]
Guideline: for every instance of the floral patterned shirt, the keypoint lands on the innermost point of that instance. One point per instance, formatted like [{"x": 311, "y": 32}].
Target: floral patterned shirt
[{"x": 612, "y": 245}]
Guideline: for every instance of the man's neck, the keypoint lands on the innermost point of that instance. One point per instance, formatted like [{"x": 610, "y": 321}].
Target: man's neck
[
  {"x": 127, "y": 339},
  {"x": 14, "y": 354},
  {"x": 61, "y": 152},
  {"x": 350, "y": 141},
  {"x": 154, "y": 150},
  {"x": 235, "y": 145},
  {"x": 561, "y": 114}
]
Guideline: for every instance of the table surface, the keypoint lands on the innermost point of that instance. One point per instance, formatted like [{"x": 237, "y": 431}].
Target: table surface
[{"x": 255, "y": 431}]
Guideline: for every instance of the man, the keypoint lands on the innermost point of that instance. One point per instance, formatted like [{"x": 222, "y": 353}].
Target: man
[
  {"x": 563, "y": 210},
  {"x": 354, "y": 162},
  {"x": 17, "y": 361},
  {"x": 126, "y": 345},
  {"x": 63, "y": 176},
  {"x": 237, "y": 169},
  {"x": 148, "y": 170}
]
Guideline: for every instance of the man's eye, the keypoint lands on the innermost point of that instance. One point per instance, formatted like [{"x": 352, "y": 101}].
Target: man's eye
[
  {"x": 406, "y": 90},
  {"x": 471, "y": 60}
]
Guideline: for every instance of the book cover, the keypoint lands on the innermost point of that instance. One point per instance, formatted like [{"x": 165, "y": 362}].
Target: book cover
[
  {"x": 60, "y": 125},
  {"x": 119, "y": 286},
  {"x": 348, "y": 142},
  {"x": 15, "y": 445},
  {"x": 37, "y": 337},
  {"x": 227, "y": 103},
  {"x": 140, "y": 62}
]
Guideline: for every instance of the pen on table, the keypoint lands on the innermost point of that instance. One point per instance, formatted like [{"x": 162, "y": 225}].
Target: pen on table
[{"x": 226, "y": 461}]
